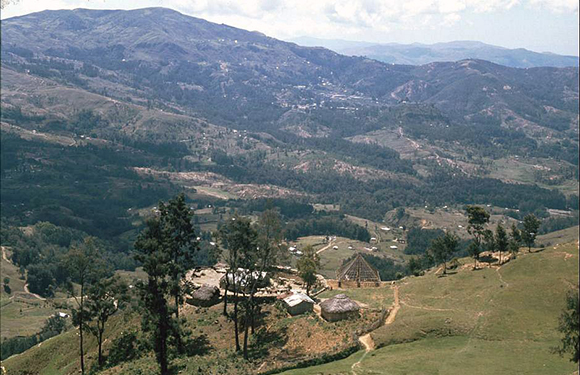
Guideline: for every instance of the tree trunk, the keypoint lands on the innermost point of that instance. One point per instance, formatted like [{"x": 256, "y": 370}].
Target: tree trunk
[
  {"x": 246, "y": 326},
  {"x": 177, "y": 306},
  {"x": 445, "y": 268},
  {"x": 236, "y": 321},
  {"x": 100, "y": 338},
  {"x": 81, "y": 323},
  {"x": 163, "y": 363},
  {"x": 81, "y": 346},
  {"x": 253, "y": 320},
  {"x": 162, "y": 342},
  {"x": 226, "y": 296}
]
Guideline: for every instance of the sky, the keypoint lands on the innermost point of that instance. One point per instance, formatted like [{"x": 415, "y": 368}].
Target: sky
[{"x": 537, "y": 25}]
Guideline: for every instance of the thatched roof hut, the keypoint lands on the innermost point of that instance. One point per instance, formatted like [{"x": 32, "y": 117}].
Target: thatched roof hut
[
  {"x": 206, "y": 296},
  {"x": 338, "y": 308}
]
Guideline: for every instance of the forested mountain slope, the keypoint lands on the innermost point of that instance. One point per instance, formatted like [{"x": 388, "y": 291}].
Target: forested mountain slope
[{"x": 185, "y": 95}]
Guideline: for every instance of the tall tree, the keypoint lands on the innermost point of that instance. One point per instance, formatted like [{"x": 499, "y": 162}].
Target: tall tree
[
  {"x": 307, "y": 267},
  {"x": 239, "y": 238},
  {"x": 258, "y": 261},
  {"x": 84, "y": 266},
  {"x": 477, "y": 218},
  {"x": 530, "y": 230},
  {"x": 157, "y": 317},
  {"x": 514, "y": 241},
  {"x": 180, "y": 241},
  {"x": 501, "y": 240},
  {"x": 442, "y": 248},
  {"x": 569, "y": 326},
  {"x": 105, "y": 297}
]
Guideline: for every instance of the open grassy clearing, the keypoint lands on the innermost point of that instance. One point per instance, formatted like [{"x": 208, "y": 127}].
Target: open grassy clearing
[
  {"x": 525, "y": 171},
  {"x": 21, "y": 313},
  {"x": 479, "y": 322},
  {"x": 559, "y": 237},
  {"x": 449, "y": 355},
  {"x": 454, "y": 218}
]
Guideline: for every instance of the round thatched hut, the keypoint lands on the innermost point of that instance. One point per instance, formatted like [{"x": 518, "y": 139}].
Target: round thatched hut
[
  {"x": 206, "y": 296},
  {"x": 338, "y": 308}
]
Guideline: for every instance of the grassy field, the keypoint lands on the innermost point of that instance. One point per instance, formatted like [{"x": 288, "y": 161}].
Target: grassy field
[
  {"x": 21, "y": 313},
  {"x": 558, "y": 237},
  {"x": 478, "y": 322},
  {"x": 523, "y": 171}
]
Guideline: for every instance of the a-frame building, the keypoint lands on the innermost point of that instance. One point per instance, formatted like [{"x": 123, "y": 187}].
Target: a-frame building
[{"x": 358, "y": 270}]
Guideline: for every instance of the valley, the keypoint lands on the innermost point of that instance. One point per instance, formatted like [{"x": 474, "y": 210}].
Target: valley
[{"x": 124, "y": 132}]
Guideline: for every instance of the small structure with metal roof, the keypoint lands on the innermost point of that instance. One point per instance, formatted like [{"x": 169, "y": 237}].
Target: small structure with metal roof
[{"x": 298, "y": 303}]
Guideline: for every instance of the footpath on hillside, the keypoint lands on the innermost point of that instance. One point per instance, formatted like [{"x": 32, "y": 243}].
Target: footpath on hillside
[{"x": 367, "y": 340}]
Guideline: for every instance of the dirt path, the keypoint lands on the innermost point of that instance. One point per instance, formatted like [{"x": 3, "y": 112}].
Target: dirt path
[
  {"x": 325, "y": 248},
  {"x": 4, "y": 255},
  {"x": 26, "y": 290},
  {"x": 367, "y": 340},
  {"x": 501, "y": 278},
  {"x": 33, "y": 294},
  {"x": 396, "y": 307}
]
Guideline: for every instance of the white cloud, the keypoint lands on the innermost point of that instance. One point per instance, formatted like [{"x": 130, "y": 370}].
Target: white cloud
[
  {"x": 450, "y": 19},
  {"x": 451, "y": 6},
  {"x": 557, "y": 5}
]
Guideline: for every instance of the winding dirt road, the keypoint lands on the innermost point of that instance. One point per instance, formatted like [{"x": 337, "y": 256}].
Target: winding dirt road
[
  {"x": 26, "y": 290},
  {"x": 325, "y": 248}
]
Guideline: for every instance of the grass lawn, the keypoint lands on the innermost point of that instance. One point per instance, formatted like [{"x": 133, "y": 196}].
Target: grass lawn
[{"x": 450, "y": 355}]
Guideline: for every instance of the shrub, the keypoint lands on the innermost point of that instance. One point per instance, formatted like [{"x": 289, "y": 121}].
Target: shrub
[{"x": 124, "y": 348}]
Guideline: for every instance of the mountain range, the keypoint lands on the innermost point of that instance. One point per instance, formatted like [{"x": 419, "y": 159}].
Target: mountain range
[
  {"x": 419, "y": 54},
  {"x": 266, "y": 117}
]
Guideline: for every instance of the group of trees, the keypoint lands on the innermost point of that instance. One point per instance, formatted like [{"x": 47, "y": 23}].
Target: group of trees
[
  {"x": 486, "y": 240},
  {"x": 165, "y": 248},
  {"x": 252, "y": 249},
  {"x": 40, "y": 254},
  {"x": 97, "y": 296},
  {"x": 326, "y": 224},
  {"x": 447, "y": 245}
]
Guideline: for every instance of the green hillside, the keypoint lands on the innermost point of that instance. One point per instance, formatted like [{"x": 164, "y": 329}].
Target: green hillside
[{"x": 491, "y": 321}]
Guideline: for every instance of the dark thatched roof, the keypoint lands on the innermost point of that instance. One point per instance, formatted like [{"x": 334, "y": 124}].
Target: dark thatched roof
[{"x": 206, "y": 292}]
